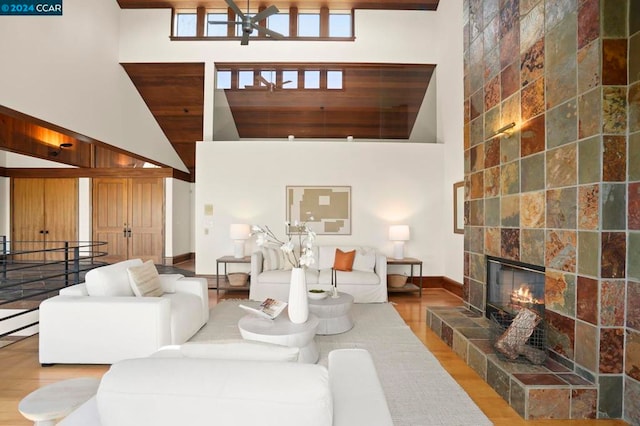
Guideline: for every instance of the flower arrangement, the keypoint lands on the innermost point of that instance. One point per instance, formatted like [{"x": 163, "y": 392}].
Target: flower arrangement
[{"x": 298, "y": 258}]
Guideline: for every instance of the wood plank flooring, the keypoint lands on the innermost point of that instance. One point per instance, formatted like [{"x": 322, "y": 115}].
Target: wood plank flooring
[{"x": 20, "y": 372}]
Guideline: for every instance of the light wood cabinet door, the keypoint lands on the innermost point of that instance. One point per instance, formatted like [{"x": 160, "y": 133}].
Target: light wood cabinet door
[{"x": 129, "y": 215}]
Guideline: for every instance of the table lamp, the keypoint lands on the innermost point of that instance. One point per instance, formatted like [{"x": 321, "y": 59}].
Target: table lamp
[
  {"x": 239, "y": 232},
  {"x": 398, "y": 234}
]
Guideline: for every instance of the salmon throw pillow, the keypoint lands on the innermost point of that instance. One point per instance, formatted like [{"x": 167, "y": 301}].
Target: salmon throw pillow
[{"x": 344, "y": 260}]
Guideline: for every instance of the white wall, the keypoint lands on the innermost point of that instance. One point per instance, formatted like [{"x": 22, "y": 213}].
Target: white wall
[
  {"x": 65, "y": 70},
  {"x": 390, "y": 183},
  {"x": 178, "y": 217}
]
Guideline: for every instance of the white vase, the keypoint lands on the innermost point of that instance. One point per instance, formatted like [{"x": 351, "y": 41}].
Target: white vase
[{"x": 298, "y": 303}]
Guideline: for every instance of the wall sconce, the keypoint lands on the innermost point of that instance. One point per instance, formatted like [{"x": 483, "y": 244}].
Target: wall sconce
[
  {"x": 505, "y": 129},
  {"x": 291, "y": 138},
  {"x": 349, "y": 138},
  {"x": 239, "y": 232},
  {"x": 399, "y": 234},
  {"x": 60, "y": 148}
]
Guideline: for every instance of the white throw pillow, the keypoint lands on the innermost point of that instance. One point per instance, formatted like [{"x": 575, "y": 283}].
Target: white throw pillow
[
  {"x": 242, "y": 350},
  {"x": 365, "y": 260},
  {"x": 111, "y": 280},
  {"x": 144, "y": 280},
  {"x": 273, "y": 259}
]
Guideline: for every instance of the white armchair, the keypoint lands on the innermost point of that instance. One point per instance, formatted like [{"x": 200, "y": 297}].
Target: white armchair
[{"x": 101, "y": 321}]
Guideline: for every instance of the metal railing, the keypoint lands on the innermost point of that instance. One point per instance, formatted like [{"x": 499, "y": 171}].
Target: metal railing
[{"x": 32, "y": 271}]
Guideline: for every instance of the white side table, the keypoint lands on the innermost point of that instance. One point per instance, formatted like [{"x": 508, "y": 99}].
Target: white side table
[
  {"x": 52, "y": 402},
  {"x": 333, "y": 313},
  {"x": 281, "y": 331}
]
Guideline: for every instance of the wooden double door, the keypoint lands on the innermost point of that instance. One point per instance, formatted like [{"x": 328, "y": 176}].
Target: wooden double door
[
  {"x": 128, "y": 213},
  {"x": 44, "y": 215}
]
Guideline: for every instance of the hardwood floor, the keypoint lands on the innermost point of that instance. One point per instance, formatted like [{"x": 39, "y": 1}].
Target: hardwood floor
[{"x": 20, "y": 372}]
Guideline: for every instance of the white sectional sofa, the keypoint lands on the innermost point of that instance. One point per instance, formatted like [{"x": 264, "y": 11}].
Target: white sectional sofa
[
  {"x": 367, "y": 283},
  {"x": 101, "y": 321},
  {"x": 170, "y": 391}
]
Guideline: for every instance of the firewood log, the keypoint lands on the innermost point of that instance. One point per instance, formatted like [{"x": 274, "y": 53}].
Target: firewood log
[
  {"x": 536, "y": 356},
  {"x": 518, "y": 333}
]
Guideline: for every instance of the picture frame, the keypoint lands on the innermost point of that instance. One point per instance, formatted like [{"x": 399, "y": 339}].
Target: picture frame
[
  {"x": 458, "y": 208},
  {"x": 325, "y": 209}
]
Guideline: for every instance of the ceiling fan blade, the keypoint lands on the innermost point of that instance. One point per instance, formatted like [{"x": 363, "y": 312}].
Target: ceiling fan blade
[
  {"x": 265, "y": 30},
  {"x": 245, "y": 38},
  {"x": 225, "y": 22},
  {"x": 235, "y": 8},
  {"x": 271, "y": 10},
  {"x": 263, "y": 80}
]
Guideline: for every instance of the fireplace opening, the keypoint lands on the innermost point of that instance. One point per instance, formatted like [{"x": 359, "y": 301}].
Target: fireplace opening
[{"x": 515, "y": 305}]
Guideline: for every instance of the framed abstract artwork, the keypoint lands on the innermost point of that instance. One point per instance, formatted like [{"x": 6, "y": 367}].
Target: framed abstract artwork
[{"x": 325, "y": 209}]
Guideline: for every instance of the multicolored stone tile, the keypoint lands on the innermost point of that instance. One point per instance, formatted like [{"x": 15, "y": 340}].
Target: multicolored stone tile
[
  {"x": 612, "y": 303},
  {"x": 611, "y": 350},
  {"x": 510, "y": 148},
  {"x": 532, "y": 209},
  {"x": 474, "y": 239},
  {"x": 510, "y": 243},
  {"x": 492, "y": 211},
  {"x": 492, "y": 93},
  {"x": 589, "y": 67},
  {"x": 634, "y": 107},
  {"x": 492, "y": 153},
  {"x": 532, "y": 246},
  {"x": 562, "y": 208},
  {"x": 476, "y": 65},
  {"x": 562, "y": 167},
  {"x": 510, "y": 210},
  {"x": 476, "y": 212},
  {"x": 561, "y": 333},
  {"x": 588, "y": 22},
  {"x": 475, "y": 18},
  {"x": 613, "y": 254},
  {"x": 531, "y": 27},
  {"x": 467, "y": 137},
  {"x": 490, "y": 9},
  {"x": 559, "y": 10},
  {"x": 560, "y": 250},
  {"x": 560, "y": 292},
  {"x": 634, "y": 157},
  {"x": 533, "y": 174},
  {"x": 614, "y": 198},
  {"x": 634, "y": 255},
  {"x": 532, "y": 136},
  {"x": 477, "y": 158},
  {"x": 476, "y": 104},
  {"x": 609, "y": 401},
  {"x": 477, "y": 268},
  {"x": 492, "y": 241},
  {"x": 509, "y": 16},
  {"x": 510, "y": 79},
  {"x": 532, "y": 99},
  {"x": 492, "y": 182},
  {"x": 631, "y": 395},
  {"x": 586, "y": 349},
  {"x": 490, "y": 35},
  {"x": 491, "y": 123},
  {"x": 614, "y": 61},
  {"x": 589, "y": 109},
  {"x": 561, "y": 63},
  {"x": 587, "y": 305},
  {"x": 510, "y": 110},
  {"x": 549, "y": 403},
  {"x": 510, "y": 178},
  {"x": 614, "y": 18},
  {"x": 532, "y": 63},
  {"x": 510, "y": 46},
  {"x": 584, "y": 404},
  {"x": 634, "y": 17},
  {"x": 498, "y": 379},
  {"x": 614, "y": 110},
  {"x": 476, "y": 132},
  {"x": 477, "y": 185},
  {"x": 634, "y": 58},
  {"x": 588, "y": 253},
  {"x": 633, "y": 305},
  {"x": 589, "y": 154},
  {"x": 588, "y": 207},
  {"x": 492, "y": 64},
  {"x": 562, "y": 124}
]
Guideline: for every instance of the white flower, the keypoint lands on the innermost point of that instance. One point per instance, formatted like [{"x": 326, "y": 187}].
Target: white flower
[
  {"x": 287, "y": 247},
  {"x": 303, "y": 256},
  {"x": 261, "y": 240}
]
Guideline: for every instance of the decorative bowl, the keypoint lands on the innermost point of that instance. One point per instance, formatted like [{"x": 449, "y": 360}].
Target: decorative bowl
[{"x": 317, "y": 294}]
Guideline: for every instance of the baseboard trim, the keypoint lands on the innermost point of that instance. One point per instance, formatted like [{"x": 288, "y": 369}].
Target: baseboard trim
[
  {"x": 179, "y": 259},
  {"x": 439, "y": 282}
]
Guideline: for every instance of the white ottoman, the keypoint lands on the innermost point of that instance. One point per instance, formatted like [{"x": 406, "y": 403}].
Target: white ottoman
[
  {"x": 281, "y": 331},
  {"x": 52, "y": 402}
]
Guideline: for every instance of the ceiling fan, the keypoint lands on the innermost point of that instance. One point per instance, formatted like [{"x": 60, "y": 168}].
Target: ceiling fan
[
  {"x": 250, "y": 22},
  {"x": 271, "y": 86}
]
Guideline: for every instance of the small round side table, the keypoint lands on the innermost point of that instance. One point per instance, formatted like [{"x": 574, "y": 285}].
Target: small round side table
[
  {"x": 333, "y": 313},
  {"x": 281, "y": 331},
  {"x": 46, "y": 405}
]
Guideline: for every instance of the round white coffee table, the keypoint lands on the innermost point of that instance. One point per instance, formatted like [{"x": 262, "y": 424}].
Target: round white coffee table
[
  {"x": 333, "y": 313},
  {"x": 52, "y": 402},
  {"x": 281, "y": 331}
]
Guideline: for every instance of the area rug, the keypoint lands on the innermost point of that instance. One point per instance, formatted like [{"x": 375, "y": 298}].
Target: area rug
[{"x": 418, "y": 390}]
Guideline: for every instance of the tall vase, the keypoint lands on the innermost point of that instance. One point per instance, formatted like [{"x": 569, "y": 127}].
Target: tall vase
[{"x": 298, "y": 303}]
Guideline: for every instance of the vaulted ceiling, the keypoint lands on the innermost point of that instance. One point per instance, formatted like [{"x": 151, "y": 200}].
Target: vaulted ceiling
[{"x": 285, "y": 4}]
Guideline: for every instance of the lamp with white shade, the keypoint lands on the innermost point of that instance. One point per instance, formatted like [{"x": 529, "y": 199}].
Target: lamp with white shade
[
  {"x": 399, "y": 234},
  {"x": 239, "y": 232}
]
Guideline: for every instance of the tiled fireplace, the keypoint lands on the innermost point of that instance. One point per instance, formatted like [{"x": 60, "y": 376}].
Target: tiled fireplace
[{"x": 561, "y": 191}]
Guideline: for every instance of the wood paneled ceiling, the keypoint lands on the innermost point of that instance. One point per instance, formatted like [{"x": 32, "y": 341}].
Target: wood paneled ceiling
[{"x": 285, "y": 4}]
